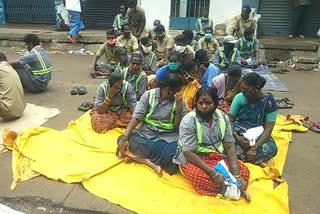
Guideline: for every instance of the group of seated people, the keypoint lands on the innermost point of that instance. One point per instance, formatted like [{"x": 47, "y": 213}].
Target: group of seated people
[{"x": 185, "y": 104}]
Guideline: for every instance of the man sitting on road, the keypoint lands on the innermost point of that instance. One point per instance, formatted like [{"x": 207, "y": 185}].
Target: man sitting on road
[
  {"x": 163, "y": 45},
  {"x": 190, "y": 40},
  {"x": 128, "y": 40},
  {"x": 181, "y": 46},
  {"x": 209, "y": 43},
  {"x": 34, "y": 68},
  {"x": 203, "y": 22},
  {"x": 149, "y": 58},
  {"x": 107, "y": 49},
  {"x": 12, "y": 102}
]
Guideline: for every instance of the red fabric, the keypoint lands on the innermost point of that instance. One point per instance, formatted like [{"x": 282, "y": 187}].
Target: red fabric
[
  {"x": 104, "y": 122},
  {"x": 202, "y": 182}
]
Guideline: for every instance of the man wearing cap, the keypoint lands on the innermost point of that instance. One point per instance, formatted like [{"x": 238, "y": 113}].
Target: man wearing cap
[
  {"x": 242, "y": 21},
  {"x": 228, "y": 54},
  {"x": 163, "y": 45}
]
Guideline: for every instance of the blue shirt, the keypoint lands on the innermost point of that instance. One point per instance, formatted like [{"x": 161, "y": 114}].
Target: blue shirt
[
  {"x": 211, "y": 72},
  {"x": 162, "y": 73}
]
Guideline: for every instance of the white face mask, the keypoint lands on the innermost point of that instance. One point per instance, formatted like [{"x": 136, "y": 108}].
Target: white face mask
[
  {"x": 146, "y": 49},
  {"x": 180, "y": 48}
]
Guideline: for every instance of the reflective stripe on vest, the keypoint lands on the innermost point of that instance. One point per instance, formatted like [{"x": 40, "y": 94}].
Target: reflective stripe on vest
[
  {"x": 222, "y": 125},
  {"x": 153, "y": 57},
  {"x": 251, "y": 51},
  {"x": 45, "y": 69},
  {"x": 193, "y": 45},
  {"x": 201, "y": 30},
  {"x": 222, "y": 57},
  {"x": 105, "y": 87},
  {"x": 157, "y": 123},
  {"x": 119, "y": 22},
  {"x": 119, "y": 68},
  {"x": 137, "y": 82}
]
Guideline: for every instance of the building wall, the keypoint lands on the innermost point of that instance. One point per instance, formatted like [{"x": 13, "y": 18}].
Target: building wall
[
  {"x": 156, "y": 9},
  {"x": 220, "y": 11}
]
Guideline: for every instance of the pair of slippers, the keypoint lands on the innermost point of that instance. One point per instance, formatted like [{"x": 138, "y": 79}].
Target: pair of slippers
[
  {"x": 311, "y": 125},
  {"x": 280, "y": 71},
  {"x": 78, "y": 90},
  {"x": 86, "y": 106},
  {"x": 284, "y": 103}
]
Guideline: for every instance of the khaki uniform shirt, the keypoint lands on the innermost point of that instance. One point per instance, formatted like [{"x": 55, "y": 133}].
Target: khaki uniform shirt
[
  {"x": 211, "y": 46},
  {"x": 12, "y": 102},
  {"x": 237, "y": 26},
  {"x": 162, "y": 47},
  {"x": 188, "y": 54},
  {"x": 131, "y": 43},
  {"x": 108, "y": 51}
]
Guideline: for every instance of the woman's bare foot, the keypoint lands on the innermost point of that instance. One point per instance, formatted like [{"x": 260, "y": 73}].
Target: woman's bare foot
[
  {"x": 158, "y": 170},
  {"x": 246, "y": 195},
  {"x": 128, "y": 160}
]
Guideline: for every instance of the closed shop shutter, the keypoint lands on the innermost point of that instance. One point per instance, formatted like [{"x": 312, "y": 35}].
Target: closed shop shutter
[
  {"x": 276, "y": 17},
  {"x": 30, "y": 11},
  {"x": 99, "y": 14}
]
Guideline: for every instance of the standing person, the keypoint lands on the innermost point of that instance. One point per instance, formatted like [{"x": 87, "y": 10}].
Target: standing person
[
  {"x": 149, "y": 58},
  {"x": 120, "y": 19},
  {"x": 249, "y": 49},
  {"x": 203, "y": 22},
  {"x": 181, "y": 46},
  {"x": 136, "y": 18},
  {"x": 34, "y": 68},
  {"x": 76, "y": 24},
  {"x": 205, "y": 138},
  {"x": 115, "y": 103},
  {"x": 128, "y": 40},
  {"x": 227, "y": 54},
  {"x": 107, "y": 49},
  {"x": 207, "y": 71},
  {"x": 163, "y": 45},
  {"x": 250, "y": 109},
  {"x": 209, "y": 43},
  {"x": 134, "y": 75},
  {"x": 190, "y": 40},
  {"x": 63, "y": 17},
  {"x": 12, "y": 102},
  {"x": 300, "y": 8},
  {"x": 241, "y": 22},
  {"x": 160, "y": 111}
]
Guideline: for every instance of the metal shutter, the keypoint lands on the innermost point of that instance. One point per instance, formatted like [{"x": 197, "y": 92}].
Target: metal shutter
[
  {"x": 313, "y": 19},
  {"x": 99, "y": 14},
  {"x": 276, "y": 17},
  {"x": 30, "y": 11}
]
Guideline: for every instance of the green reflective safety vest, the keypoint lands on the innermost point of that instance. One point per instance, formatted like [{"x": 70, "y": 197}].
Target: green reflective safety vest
[
  {"x": 246, "y": 52},
  {"x": 201, "y": 30},
  {"x": 222, "y": 125},
  {"x": 193, "y": 45},
  {"x": 124, "y": 73},
  {"x": 45, "y": 69},
  {"x": 153, "y": 57},
  {"x": 156, "y": 123},
  {"x": 124, "y": 100},
  {"x": 119, "y": 68},
  {"x": 222, "y": 57},
  {"x": 119, "y": 22}
]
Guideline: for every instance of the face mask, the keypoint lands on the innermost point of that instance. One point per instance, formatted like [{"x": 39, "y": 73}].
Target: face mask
[
  {"x": 189, "y": 78},
  {"x": 111, "y": 41},
  {"x": 204, "y": 18},
  {"x": 247, "y": 94},
  {"x": 173, "y": 66},
  {"x": 146, "y": 49},
  {"x": 180, "y": 48},
  {"x": 160, "y": 35},
  {"x": 208, "y": 36}
]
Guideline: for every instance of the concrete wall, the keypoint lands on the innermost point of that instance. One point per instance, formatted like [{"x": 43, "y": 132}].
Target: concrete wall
[
  {"x": 157, "y": 9},
  {"x": 221, "y": 10}
]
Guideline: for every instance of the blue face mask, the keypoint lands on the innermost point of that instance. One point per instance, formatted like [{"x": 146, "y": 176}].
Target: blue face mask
[
  {"x": 247, "y": 94},
  {"x": 173, "y": 66},
  {"x": 208, "y": 36}
]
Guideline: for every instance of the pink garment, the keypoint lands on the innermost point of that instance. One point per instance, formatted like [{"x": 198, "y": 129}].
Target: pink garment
[{"x": 219, "y": 82}]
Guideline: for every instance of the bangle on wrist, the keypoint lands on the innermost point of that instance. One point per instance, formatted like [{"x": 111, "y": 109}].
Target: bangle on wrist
[
  {"x": 214, "y": 174},
  {"x": 237, "y": 176}
]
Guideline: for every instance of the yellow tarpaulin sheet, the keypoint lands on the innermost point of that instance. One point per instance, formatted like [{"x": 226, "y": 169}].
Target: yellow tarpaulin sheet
[{"x": 78, "y": 154}]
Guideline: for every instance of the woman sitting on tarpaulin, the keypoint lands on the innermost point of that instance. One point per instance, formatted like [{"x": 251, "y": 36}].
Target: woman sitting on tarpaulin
[
  {"x": 254, "y": 109},
  {"x": 205, "y": 139}
]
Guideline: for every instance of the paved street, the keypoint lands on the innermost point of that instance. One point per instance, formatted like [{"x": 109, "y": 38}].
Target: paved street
[{"x": 301, "y": 171}]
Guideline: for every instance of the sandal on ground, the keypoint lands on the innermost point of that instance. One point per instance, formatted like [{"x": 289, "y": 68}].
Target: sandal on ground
[
  {"x": 286, "y": 100},
  {"x": 283, "y": 105},
  {"x": 278, "y": 71},
  {"x": 74, "y": 90},
  {"x": 311, "y": 125},
  {"x": 82, "y": 90},
  {"x": 86, "y": 106}
]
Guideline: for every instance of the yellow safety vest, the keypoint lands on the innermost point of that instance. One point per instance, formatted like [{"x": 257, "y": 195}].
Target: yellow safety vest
[
  {"x": 45, "y": 69},
  {"x": 124, "y": 73},
  {"x": 105, "y": 87},
  {"x": 157, "y": 123},
  {"x": 251, "y": 51},
  {"x": 201, "y": 30},
  {"x": 222, "y": 57},
  {"x": 222, "y": 125}
]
